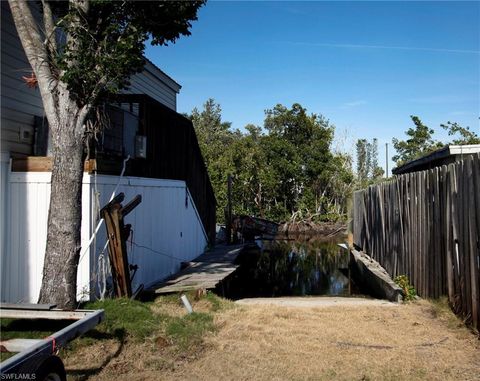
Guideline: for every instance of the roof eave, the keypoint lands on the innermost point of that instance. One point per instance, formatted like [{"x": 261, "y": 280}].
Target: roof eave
[
  {"x": 441, "y": 153},
  {"x": 162, "y": 76}
]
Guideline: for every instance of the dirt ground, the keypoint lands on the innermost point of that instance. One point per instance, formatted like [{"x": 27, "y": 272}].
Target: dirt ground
[{"x": 416, "y": 341}]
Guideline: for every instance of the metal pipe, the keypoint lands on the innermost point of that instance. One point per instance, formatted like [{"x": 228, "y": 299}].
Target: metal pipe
[{"x": 49, "y": 344}]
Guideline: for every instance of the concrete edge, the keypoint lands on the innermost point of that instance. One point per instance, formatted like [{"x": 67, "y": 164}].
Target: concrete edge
[{"x": 375, "y": 277}]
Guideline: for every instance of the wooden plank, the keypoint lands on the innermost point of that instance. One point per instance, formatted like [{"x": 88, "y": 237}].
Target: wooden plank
[
  {"x": 414, "y": 231},
  {"x": 207, "y": 271},
  {"x": 428, "y": 233},
  {"x": 467, "y": 205},
  {"x": 449, "y": 243},
  {"x": 117, "y": 248},
  {"x": 407, "y": 226},
  {"x": 458, "y": 223},
  {"x": 27, "y": 306},
  {"x": 43, "y": 164},
  {"x": 437, "y": 236},
  {"x": 476, "y": 193},
  {"x": 131, "y": 205},
  {"x": 420, "y": 221},
  {"x": 454, "y": 240},
  {"x": 473, "y": 249},
  {"x": 463, "y": 252},
  {"x": 425, "y": 231}
]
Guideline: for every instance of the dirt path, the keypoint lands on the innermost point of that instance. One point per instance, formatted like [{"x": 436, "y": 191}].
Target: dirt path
[{"x": 419, "y": 341}]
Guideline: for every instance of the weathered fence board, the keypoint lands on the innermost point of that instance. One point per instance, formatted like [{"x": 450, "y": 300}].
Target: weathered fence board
[{"x": 427, "y": 225}]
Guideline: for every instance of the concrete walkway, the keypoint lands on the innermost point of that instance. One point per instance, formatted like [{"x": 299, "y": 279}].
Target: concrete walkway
[{"x": 318, "y": 301}]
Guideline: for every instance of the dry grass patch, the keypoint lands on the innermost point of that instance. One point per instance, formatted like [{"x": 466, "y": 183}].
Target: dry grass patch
[
  {"x": 416, "y": 341},
  {"x": 141, "y": 337},
  {"x": 277, "y": 343}
]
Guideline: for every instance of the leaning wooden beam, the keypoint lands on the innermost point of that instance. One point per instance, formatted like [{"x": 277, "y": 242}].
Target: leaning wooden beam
[
  {"x": 117, "y": 233},
  {"x": 131, "y": 205},
  {"x": 117, "y": 251}
]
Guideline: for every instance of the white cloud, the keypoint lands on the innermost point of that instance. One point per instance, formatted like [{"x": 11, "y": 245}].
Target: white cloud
[
  {"x": 439, "y": 99},
  {"x": 366, "y": 46},
  {"x": 354, "y": 104}
]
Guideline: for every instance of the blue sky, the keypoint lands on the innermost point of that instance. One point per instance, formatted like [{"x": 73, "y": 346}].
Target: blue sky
[{"x": 366, "y": 66}]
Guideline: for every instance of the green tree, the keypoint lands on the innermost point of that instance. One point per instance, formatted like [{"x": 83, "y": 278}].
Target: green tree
[
  {"x": 308, "y": 171},
  {"x": 252, "y": 180},
  {"x": 466, "y": 135},
  {"x": 420, "y": 142},
  {"x": 362, "y": 160},
  {"x": 215, "y": 139},
  {"x": 285, "y": 170},
  {"x": 368, "y": 170},
  {"x": 213, "y": 134},
  {"x": 79, "y": 51}
]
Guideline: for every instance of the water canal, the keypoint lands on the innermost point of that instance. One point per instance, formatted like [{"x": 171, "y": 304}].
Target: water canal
[{"x": 291, "y": 268}]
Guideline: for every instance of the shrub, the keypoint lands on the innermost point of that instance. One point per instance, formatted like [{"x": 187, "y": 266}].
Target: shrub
[{"x": 408, "y": 290}]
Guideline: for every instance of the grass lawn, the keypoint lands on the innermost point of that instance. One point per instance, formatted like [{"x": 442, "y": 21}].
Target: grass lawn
[
  {"x": 159, "y": 333},
  {"x": 221, "y": 340}
]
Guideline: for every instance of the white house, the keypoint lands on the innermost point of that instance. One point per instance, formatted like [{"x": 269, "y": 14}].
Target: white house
[{"x": 172, "y": 224}]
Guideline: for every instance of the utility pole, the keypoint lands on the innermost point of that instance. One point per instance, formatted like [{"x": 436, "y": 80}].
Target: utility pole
[{"x": 386, "y": 160}]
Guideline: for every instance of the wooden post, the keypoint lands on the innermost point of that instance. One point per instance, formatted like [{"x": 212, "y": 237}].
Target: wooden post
[
  {"x": 113, "y": 214},
  {"x": 386, "y": 160}
]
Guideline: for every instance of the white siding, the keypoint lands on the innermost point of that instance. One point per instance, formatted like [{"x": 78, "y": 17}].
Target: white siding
[
  {"x": 166, "y": 226},
  {"x": 19, "y": 103},
  {"x": 4, "y": 173},
  {"x": 166, "y": 231},
  {"x": 22, "y": 261}
]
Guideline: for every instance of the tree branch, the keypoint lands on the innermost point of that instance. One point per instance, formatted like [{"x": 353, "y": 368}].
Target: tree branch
[
  {"x": 36, "y": 53},
  {"x": 50, "y": 29},
  {"x": 28, "y": 32}
]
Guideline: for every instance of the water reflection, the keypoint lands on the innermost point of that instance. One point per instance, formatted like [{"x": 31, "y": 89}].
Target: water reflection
[{"x": 291, "y": 268}]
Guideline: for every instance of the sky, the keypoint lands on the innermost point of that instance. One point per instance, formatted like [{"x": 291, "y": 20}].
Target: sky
[{"x": 366, "y": 66}]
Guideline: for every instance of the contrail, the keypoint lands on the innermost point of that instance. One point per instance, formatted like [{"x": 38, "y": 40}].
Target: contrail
[{"x": 359, "y": 46}]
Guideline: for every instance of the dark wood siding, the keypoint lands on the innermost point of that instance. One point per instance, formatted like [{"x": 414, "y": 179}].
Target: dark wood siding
[{"x": 172, "y": 153}]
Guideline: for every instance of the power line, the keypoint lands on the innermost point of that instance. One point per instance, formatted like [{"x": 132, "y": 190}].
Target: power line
[{"x": 156, "y": 251}]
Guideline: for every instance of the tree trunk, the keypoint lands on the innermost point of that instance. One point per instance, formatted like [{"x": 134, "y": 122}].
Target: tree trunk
[{"x": 59, "y": 283}]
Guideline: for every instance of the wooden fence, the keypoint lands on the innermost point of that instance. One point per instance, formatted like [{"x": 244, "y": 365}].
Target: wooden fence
[{"x": 427, "y": 225}]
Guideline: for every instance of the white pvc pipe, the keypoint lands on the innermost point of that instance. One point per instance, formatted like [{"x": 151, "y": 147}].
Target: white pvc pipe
[{"x": 186, "y": 303}]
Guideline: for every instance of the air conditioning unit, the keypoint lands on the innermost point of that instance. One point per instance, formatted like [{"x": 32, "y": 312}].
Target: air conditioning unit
[{"x": 140, "y": 147}]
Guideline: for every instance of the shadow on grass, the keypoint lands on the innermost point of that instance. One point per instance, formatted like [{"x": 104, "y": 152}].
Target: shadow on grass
[
  {"x": 31, "y": 329},
  {"x": 83, "y": 374}
]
